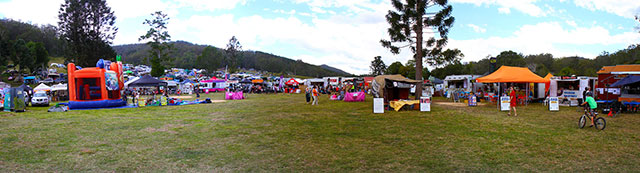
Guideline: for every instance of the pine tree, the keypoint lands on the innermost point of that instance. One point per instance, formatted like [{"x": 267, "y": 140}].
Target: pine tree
[
  {"x": 88, "y": 27},
  {"x": 160, "y": 42},
  {"x": 377, "y": 66},
  {"x": 412, "y": 17}
]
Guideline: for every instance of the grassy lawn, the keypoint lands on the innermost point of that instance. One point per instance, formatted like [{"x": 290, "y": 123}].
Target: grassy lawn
[{"x": 282, "y": 133}]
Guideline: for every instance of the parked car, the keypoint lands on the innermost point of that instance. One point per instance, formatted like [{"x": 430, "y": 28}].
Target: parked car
[
  {"x": 40, "y": 99},
  {"x": 47, "y": 81}
]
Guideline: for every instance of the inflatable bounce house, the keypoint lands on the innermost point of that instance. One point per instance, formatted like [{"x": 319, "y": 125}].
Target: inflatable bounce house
[{"x": 96, "y": 87}]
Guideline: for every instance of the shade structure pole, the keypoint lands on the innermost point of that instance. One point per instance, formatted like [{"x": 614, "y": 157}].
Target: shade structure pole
[
  {"x": 498, "y": 101},
  {"x": 527, "y": 95}
]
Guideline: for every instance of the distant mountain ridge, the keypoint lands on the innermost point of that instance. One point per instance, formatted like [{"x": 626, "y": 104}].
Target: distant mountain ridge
[
  {"x": 186, "y": 54},
  {"x": 333, "y": 69}
]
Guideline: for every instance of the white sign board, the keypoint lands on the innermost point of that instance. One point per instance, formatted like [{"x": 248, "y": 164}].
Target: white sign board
[
  {"x": 378, "y": 105},
  {"x": 554, "y": 104},
  {"x": 425, "y": 104},
  {"x": 505, "y": 103}
]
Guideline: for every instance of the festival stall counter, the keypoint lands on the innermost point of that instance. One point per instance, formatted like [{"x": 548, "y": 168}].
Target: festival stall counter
[
  {"x": 397, "y": 105},
  {"x": 394, "y": 89}
]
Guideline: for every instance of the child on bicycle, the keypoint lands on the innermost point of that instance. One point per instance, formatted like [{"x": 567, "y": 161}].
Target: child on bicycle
[{"x": 592, "y": 105}]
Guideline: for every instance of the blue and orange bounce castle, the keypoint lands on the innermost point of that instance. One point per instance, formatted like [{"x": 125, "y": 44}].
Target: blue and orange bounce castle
[{"x": 96, "y": 87}]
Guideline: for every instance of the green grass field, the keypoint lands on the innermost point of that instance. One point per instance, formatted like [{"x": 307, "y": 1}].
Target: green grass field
[{"x": 282, "y": 133}]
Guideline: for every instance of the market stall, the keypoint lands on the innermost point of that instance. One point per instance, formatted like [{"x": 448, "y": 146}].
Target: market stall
[{"x": 513, "y": 75}]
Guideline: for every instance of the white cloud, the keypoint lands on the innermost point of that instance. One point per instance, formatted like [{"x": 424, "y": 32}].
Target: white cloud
[
  {"x": 543, "y": 38},
  {"x": 34, "y": 11},
  {"x": 505, "y": 6},
  {"x": 571, "y": 23},
  {"x": 477, "y": 28},
  {"x": 125, "y": 9},
  {"x": 341, "y": 40},
  {"x": 211, "y": 5},
  {"x": 624, "y": 8}
]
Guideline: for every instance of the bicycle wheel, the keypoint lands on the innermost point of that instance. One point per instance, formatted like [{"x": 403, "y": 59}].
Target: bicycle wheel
[
  {"x": 600, "y": 123},
  {"x": 582, "y": 121}
]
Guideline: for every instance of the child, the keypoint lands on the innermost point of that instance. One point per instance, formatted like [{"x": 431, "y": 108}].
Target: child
[{"x": 592, "y": 105}]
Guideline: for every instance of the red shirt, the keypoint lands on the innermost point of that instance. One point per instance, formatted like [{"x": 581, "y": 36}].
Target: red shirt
[{"x": 513, "y": 97}]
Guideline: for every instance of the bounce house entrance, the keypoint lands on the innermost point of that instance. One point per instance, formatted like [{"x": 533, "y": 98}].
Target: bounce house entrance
[{"x": 88, "y": 89}]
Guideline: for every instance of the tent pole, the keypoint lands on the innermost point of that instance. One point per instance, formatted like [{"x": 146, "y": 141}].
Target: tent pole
[
  {"x": 498, "y": 101},
  {"x": 527, "y": 95}
]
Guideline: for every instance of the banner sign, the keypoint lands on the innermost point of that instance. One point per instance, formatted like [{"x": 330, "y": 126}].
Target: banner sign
[
  {"x": 378, "y": 105},
  {"x": 554, "y": 104},
  {"x": 473, "y": 101},
  {"x": 425, "y": 104},
  {"x": 505, "y": 103}
]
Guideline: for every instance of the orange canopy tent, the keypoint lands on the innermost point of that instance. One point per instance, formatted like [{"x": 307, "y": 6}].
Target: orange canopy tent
[
  {"x": 507, "y": 74},
  {"x": 548, "y": 83}
]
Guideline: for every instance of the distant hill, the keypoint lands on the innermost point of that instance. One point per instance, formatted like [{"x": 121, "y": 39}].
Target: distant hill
[
  {"x": 333, "y": 69},
  {"x": 186, "y": 56}
]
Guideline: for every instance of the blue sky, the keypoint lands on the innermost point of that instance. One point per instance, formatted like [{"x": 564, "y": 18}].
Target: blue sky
[{"x": 346, "y": 33}]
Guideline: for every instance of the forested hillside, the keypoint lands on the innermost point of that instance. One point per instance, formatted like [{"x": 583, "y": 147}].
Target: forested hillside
[
  {"x": 188, "y": 55},
  {"x": 542, "y": 64}
]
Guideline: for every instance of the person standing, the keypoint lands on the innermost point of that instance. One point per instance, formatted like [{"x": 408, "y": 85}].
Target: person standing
[
  {"x": 513, "y": 99},
  {"x": 197, "y": 90},
  {"x": 315, "y": 96},
  {"x": 307, "y": 94}
]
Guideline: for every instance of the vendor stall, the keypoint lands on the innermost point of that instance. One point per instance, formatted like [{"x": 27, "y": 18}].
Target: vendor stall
[
  {"x": 569, "y": 89},
  {"x": 60, "y": 92},
  {"x": 516, "y": 75}
]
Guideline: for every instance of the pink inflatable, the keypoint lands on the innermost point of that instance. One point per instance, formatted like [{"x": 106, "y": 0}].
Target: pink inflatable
[
  {"x": 233, "y": 96},
  {"x": 354, "y": 97}
]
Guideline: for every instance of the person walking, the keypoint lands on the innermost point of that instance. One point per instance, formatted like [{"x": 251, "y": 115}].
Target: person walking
[
  {"x": 513, "y": 99},
  {"x": 315, "y": 96}
]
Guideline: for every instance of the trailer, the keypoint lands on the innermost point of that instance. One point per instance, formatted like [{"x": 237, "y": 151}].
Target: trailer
[
  {"x": 614, "y": 99},
  {"x": 570, "y": 89}
]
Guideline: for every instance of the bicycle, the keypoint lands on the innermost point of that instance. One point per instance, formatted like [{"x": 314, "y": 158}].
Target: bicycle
[{"x": 599, "y": 122}]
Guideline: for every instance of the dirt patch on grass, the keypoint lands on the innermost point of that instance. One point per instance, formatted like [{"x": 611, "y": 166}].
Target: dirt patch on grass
[
  {"x": 218, "y": 101},
  {"x": 182, "y": 97},
  {"x": 168, "y": 128}
]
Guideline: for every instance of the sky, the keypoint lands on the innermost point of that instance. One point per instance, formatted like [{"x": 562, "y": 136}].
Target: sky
[{"x": 346, "y": 33}]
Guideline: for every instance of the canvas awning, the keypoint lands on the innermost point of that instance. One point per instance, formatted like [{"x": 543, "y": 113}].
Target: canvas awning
[
  {"x": 147, "y": 80},
  {"x": 292, "y": 81},
  {"x": 59, "y": 87},
  {"x": 548, "y": 83},
  {"x": 380, "y": 82},
  {"x": 626, "y": 81},
  {"x": 42, "y": 87},
  {"x": 512, "y": 75},
  {"x": 126, "y": 84}
]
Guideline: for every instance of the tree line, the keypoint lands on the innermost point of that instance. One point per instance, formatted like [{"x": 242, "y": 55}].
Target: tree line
[
  {"x": 26, "y": 46},
  {"x": 544, "y": 63},
  {"x": 188, "y": 55}
]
